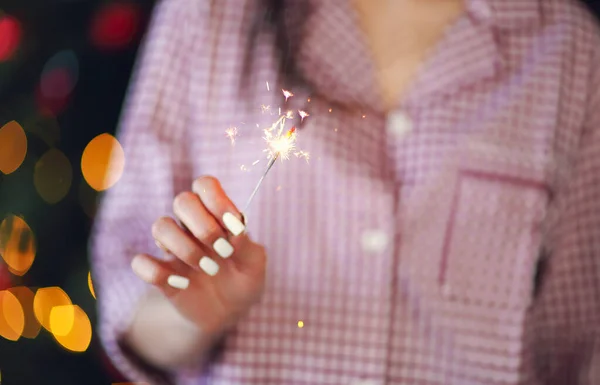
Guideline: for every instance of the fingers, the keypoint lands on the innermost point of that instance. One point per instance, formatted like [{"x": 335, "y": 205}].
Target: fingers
[
  {"x": 173, "y": 239},
  {"x": 159, "y": 273},
  {"x": 192, "y": 213},
  {"x": 218, "y": 204}
]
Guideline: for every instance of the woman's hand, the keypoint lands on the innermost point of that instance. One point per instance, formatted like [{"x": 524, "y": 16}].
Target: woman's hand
[{"x": 215, "y": 273}]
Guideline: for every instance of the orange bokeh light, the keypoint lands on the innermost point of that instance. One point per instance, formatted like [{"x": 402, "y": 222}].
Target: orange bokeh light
[
  {"x": 25, "y": 297},
  {"x": 62, "y": 319},
  {"x": 90, "y": 285},
  {"x": 17, "y": 244},
  {"x": 13, "y": 147},
  {"x": 12, "y": 319},
  {"x": 45, "y": 300},
  {"x": 79, "y": 334},
  {"x": 102, "y": 162}
]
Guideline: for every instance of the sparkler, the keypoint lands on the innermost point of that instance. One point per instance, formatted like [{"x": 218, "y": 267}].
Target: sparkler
[{"x": 280, "y": 142}]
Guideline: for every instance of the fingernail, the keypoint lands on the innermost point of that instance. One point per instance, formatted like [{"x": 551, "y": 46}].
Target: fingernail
[
  {"x": 144, "y": 269},
  {"x": 178, "y": 282},
  {"x": 233, "y": 224},
  {"x": 223, "y": 248},
  {"x": 160, "y": 246},
  {"x": 209, "y": 266}
]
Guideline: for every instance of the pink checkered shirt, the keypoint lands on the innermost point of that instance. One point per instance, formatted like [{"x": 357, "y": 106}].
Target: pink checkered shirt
[{"x": 454, "y": 241}]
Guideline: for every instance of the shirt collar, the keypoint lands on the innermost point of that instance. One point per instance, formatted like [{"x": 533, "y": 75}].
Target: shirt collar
[
  {"x": 334, "y": 59},
  {"x": 505, "y": 14}
]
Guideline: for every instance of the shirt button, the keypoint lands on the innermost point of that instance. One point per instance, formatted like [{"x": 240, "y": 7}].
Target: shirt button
[
  {"x": 399, "y": 124},
  {"x": 374, "y": 241}
]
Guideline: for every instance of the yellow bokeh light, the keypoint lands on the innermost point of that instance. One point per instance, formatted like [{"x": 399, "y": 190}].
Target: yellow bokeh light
[
  {"x": 90, "y": 285},
  {"x": 102, "y": 162},
  {"x": 12, "y": 319},
  {"x": 62, "y": 319},
  {"x": 25, "y": 297},
  {"x": 80, "y": 334},
  {"x": 52, "y": 176},
  {"x": 45, "y": 299},
  {"x": 13, "y": 147},
  {"x": 300, "y": 324},
  {"x": 17, "y": 244}
]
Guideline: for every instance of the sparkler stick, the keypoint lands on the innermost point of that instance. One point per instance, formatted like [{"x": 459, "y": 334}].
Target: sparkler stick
[{"x": 269, "y": 165}]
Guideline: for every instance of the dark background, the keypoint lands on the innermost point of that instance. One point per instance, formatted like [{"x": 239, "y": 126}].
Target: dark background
[{"x": 104, "y": 37}]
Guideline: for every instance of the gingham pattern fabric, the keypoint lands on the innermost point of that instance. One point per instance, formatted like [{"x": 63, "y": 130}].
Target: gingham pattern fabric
[{"x": 454, "y": 241}]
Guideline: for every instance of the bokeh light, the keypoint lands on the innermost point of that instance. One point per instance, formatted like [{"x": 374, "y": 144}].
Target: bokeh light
[
  {"x": 79, "y": 335},
  {"x": 52, "y": 176},
  {"x": 25, "y": 296},
  {"x": 102, "y": 162},
  {"x": 12, "y": 319},
  {"x": 17, "y": 244},
  {"x": 60, "y": 74},
  {"x": 90, "y": 285},
  {"x": 10, "y": 36},
  {"x": 45, "y": 300},
  {"x": 115, "y": 26},
  {"x": 13, "y": 147},
  {"x": 88, "y": 199},
  {"x": 62, "y": 319}
]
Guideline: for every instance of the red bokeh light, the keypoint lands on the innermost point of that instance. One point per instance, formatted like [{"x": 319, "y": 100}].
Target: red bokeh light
[
  {"x": 115, "y": 26},
  {"x": 10, "y": 37},
  {"x": 5, "y": 281}
]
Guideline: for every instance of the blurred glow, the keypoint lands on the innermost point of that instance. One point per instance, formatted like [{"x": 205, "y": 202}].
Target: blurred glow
[
  {"x": 25, "y": 297},
  {"x": 10, "y": 36},
  {"x": 17, "y": 244},
  {"x": 80, "y": 334},
  {"x": 115, "y": 26},
  {"x": 52, "y": 176},
  {"x": 88, "y": 199},
  {"x": 300, "y": 324},
  {"x": 13, "y": 147},
  {"x": 102, "y": 162},
  {"x": 62, "y": 319},
  {"x": 59, "y": 76},
  {"x": 90, "y": 285},
  {"x": 12, "y": 320},
  {"x": 44, "y": 127},
  {"x": 45, "y": 300}
]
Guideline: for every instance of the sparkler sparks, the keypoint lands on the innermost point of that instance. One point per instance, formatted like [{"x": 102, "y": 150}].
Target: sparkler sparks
[
  {"x": 231, "y": 133},
  {"x": 287, "y": 94},
  {"x": 303, "y": 114},
  {"x": 281, "y": 143}
]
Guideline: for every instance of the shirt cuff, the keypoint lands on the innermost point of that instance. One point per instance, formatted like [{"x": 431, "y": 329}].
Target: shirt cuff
[{"x": 121, "y": 295}]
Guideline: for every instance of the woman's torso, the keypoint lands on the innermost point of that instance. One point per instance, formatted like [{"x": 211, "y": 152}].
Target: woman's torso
[{"x": 407, "y": 245}]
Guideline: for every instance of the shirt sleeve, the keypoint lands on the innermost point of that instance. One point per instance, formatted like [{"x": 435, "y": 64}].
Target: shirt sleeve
[
  {"x": 156, "y": 168},
  {"x": 568, "y": 307}
]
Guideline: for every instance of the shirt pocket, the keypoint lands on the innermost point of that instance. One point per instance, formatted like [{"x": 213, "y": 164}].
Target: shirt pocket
[{"x": 494, "y": 233}]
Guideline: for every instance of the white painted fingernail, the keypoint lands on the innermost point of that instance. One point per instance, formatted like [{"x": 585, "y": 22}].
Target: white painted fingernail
[
  {"x": 233, "y": 224},
  {"x": 178, "y": 282},
  {"x": 209, "y": 266},
  {"x": 223, "y": 248},
  {"x": 144, "y": 269}
]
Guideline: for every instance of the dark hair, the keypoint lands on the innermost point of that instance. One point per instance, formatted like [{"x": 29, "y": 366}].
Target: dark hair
[{"x": 273, "y": 20}]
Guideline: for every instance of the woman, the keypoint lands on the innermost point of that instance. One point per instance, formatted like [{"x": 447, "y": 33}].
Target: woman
[{"x": 445, "y": 229}]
